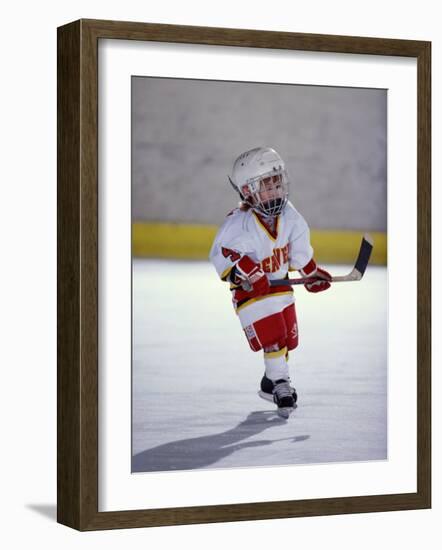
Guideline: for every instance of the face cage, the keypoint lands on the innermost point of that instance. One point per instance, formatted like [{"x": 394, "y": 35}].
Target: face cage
[{"x": 271, "y": 207}]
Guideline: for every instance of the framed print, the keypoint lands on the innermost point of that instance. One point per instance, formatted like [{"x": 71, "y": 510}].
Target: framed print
[{"x": 237, "y": 336}]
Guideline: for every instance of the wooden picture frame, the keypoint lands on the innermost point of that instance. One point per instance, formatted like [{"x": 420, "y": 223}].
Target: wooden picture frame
[{"x": 77, "y": 225}]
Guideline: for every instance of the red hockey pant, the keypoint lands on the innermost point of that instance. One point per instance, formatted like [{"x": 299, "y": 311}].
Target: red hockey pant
[{"x": 279, "y": 329}]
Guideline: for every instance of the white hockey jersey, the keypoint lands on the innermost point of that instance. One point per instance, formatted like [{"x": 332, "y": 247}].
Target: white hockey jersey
[{"x": 245, "y": 233}]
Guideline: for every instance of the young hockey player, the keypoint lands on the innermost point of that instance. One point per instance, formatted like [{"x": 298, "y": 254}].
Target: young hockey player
[{"x": 261, "y": 241}]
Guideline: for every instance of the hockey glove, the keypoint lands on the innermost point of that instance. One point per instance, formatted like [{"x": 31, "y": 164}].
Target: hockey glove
[
  {"x": 312, "y": 270},
  {"x": 249, "y": 272}
]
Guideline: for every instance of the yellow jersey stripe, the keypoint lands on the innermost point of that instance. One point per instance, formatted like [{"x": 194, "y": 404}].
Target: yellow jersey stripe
[
  {"x": 264, "y": 228},
  {"x": 226, "y": 272},
  {"x": 259, "y": 298},
  {"x": 275, "y": 354}
]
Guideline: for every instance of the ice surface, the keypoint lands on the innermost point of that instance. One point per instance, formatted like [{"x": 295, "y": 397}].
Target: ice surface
[{"x": 195, "y": 380}]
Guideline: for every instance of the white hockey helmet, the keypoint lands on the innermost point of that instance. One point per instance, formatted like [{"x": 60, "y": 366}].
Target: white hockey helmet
[{"x": 261, "y": 179}]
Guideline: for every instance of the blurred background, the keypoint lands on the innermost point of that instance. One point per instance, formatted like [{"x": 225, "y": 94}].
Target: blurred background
[{"x": 186, "y": 135}]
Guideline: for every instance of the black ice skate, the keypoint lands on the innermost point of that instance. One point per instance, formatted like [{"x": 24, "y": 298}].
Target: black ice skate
[
  {"x": 283, "y": 398},
  {"x": 266, "y": 391}
]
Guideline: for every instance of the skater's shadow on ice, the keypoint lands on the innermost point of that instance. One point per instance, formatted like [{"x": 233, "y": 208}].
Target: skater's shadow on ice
[{"x": 199, "y": 452}]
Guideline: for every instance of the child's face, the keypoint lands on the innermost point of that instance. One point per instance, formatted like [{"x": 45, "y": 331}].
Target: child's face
[{"x": 271, "y": 188}]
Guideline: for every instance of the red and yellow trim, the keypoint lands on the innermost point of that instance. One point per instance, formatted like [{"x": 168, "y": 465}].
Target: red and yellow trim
[
  {"x": 261, "y": 223},
  {"x": 226, "y": 273},
  {"x": 276, "y": 354},
  {"x": 250, "y": 301}
]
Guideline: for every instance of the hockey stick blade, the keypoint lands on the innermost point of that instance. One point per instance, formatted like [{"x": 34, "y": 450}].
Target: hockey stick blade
[
  {"x": 355, "y": 274},
  {"x": 364, "y": 254}
]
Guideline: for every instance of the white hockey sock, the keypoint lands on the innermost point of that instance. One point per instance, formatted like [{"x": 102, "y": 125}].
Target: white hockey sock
[{"x": 276, "y": 366}]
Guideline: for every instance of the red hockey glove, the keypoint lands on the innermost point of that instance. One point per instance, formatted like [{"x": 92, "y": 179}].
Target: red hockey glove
[
  {"x": 312, "y": 270},
  {"x": 247, "y": 270}
]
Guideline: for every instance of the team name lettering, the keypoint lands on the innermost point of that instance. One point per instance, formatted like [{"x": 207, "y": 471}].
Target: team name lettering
[{"x": 273, "y": 263}]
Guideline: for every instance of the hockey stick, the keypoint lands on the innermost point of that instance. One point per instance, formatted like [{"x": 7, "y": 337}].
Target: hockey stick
[{"x": 355, "y": 274}]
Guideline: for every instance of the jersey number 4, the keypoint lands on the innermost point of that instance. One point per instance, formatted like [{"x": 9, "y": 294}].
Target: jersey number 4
[{"x": 228, "y": 253}]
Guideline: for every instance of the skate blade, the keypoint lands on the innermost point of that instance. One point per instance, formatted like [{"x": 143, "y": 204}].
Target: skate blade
[
  {"x": 284, "y": 412},
  {"x": 266, "y": 396}
]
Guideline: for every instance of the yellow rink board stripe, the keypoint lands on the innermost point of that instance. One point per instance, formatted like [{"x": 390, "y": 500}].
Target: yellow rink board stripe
[
  {"x": 192, "y": 241},
  {"x": 167, "y": 240},
  {"x": 333, "y": 246}
]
